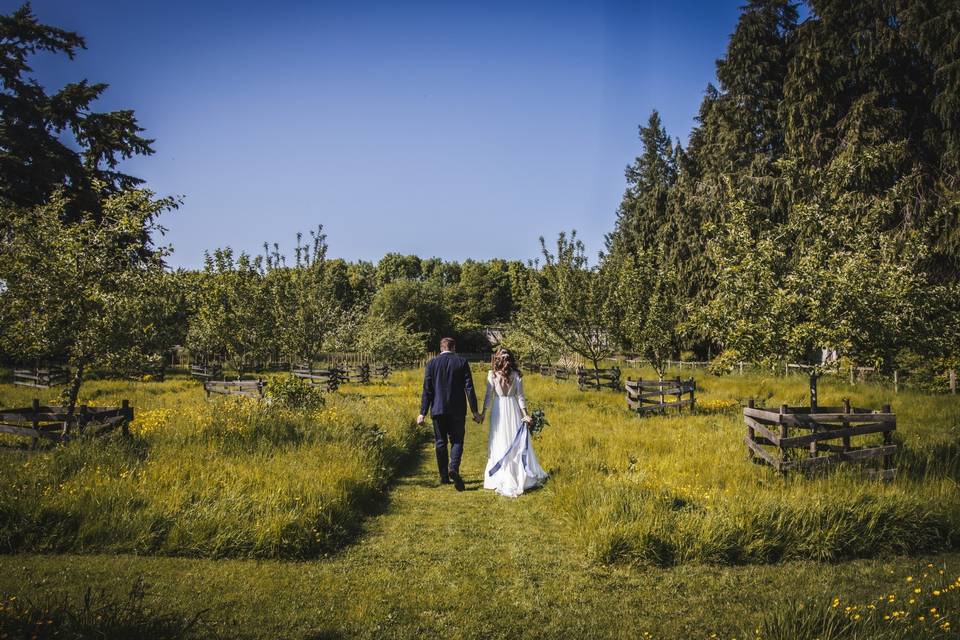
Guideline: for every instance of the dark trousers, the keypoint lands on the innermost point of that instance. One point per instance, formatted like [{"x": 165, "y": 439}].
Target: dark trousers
[{"x": 449, "y": 428}]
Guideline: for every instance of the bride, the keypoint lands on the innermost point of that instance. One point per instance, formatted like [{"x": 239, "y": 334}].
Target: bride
[{"x": 512, "y": 465}]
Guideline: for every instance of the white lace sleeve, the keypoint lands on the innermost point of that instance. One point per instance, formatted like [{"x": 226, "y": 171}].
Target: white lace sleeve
[
  {"x": 520, "y": 397},
  {"x": 489, "y": 393}
]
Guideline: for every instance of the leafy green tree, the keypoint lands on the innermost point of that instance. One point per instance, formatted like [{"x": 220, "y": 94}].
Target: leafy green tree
[
  {"x": 441, "y": 272},
  {"x": 56, "y": 144},
  {"x": 395, "y": 266},
  {"x": 417, "y": 306},
  {"x": 232, "y": 316},
  {"x": 83, "y": 290},
  {"x": 643, "y": 311},
  {"x": 389, "y": 342},
  {"x": 307, "y": 311},
  {"x": 566, "y": 303},
  {"x": 645, "y": 202}
]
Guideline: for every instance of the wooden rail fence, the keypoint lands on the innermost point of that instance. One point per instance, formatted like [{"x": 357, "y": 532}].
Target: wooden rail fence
[
  {"x": 586, "y": 378},
  {"x": 598, "y": 379},
  {"x": 245, "y": 388},
  {"x": 359, "y": 373},
  {"x": 53, "y": 422},
  {"x": 383, "y": 371},
  {"x": 40, "y": 377},
  {"x": 651, "y": 396},
  {"x": 794, "y": 438},
  {"x": 331, "y": 378},
  {"x": 206, "y": 371}
]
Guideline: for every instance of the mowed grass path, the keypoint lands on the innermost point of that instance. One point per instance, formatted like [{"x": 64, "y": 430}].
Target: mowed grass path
[{"x": 437, "y": 563}]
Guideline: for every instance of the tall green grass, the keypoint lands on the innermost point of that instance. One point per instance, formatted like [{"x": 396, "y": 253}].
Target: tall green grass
[
  {"x": 673, "y": 489},
  {"x": 923, "y": 605},
  {"x": 96, "y": 614},
  {"x": 215, "y": 478}
]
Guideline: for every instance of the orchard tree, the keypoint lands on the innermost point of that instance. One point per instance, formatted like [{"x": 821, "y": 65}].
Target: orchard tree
[
  {"x": 307, "y": 310},
  {"x": 55, "y": 143},
  {"x": 567, "y": 303},
  {"x": 83, "y": 290},
  {"x": 643, "y": 306},
  {"x": 231, "y": 312}
]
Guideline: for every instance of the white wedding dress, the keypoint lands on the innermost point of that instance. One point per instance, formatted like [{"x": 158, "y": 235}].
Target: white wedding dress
[{"x": 512, "y": 466}]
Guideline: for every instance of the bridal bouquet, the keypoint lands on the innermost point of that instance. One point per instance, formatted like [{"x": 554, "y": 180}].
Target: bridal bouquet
[{"x": 538, "y": 420}]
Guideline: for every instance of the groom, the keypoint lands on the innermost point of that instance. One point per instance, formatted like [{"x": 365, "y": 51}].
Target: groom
[{"x": 447, "y": 386}]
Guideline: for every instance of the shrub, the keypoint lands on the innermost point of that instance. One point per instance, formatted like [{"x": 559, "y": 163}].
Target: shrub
[
  {"x": 292, "y": 392},
  {"x": 725, "y": 362}
]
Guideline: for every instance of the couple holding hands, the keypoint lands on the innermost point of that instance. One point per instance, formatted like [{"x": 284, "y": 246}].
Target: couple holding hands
[{"x": 512, "y": 465}]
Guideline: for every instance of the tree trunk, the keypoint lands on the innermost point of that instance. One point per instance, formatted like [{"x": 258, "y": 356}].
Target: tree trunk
[
  {"x": 813, "y": 391},
  {"x": 74, "y": 389}
]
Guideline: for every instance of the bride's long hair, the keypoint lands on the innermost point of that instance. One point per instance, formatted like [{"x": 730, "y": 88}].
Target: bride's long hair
[{"x": 504, "y": 364}]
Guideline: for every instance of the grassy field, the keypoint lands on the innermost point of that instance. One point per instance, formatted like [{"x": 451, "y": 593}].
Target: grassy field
[
  {"x": 229, "y": 477},
  {"x": 669, "y": 490},
  {"x": 655, "y": 527}
]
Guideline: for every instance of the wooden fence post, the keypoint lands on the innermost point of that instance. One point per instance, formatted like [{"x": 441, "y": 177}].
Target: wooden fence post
[
  {"x": 751, "y": 434},
  {"x": 851, "y": 375},
  {"x": 783, "y": 435},
  {"x": 846, "y": 439},
  {"x": 896, "y": 382},
  {"x": 887, "y": 440},
  {"x": 36, "y": 425},
  {"x": 813, "y": 392},
  {"x": 953, "y": 381}
]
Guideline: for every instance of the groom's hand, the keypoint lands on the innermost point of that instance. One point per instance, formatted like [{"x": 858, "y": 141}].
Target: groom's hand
[
  {"x": 420, "y": 420},
  {"x": 477, "y": 417}
]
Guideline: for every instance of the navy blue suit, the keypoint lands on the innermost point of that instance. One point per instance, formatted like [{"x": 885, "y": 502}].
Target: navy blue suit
[{"x": 447, "y": 388}]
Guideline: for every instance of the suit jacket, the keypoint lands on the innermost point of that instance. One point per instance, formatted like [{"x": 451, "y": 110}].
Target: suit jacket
[{"x": 447, "y": 385}]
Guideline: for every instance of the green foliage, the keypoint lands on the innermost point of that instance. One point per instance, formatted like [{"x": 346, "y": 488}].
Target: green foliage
[
  {"x": 644, "y": 301},
  {"x": 291, "y": 392},
  {"x": 83, "y": 291},
  {"x": 394, "y": 266},
  {"x": 649, "y": 179},
  {"x": 816, "y": 204},
  {"x": 231, "y": 312},
  {"x": 307, "y": 310},
  {"x": 417, "y": 306},
  {"x": 724, "y": 362},
  {"x": 566, "y": 303},
  {"x": 55, "y": 144},
  {"x": 389, "y": 342},
  {"x": 528, "y": 348}
]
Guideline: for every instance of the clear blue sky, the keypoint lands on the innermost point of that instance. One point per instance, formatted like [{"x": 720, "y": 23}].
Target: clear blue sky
[{"x": 430, "y": 128}]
